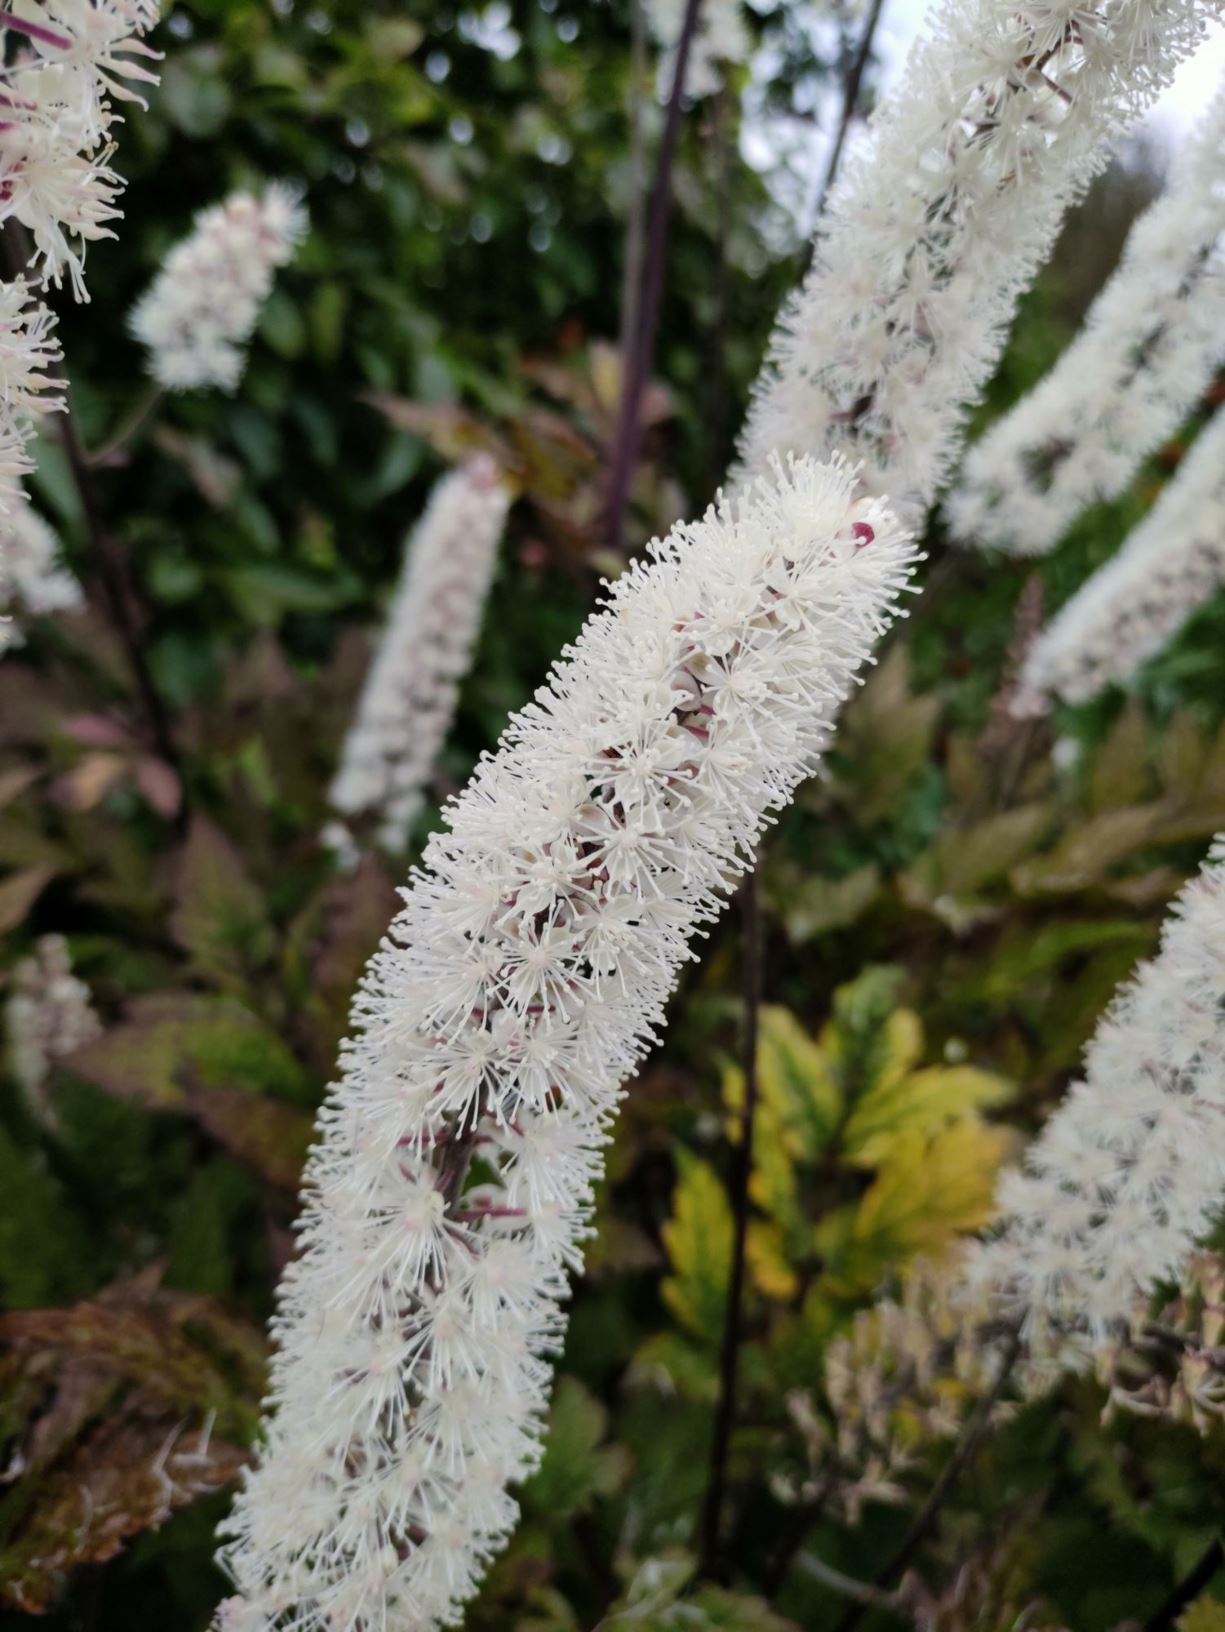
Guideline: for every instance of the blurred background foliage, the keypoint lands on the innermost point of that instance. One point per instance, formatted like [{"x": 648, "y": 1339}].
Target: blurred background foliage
[{"x": 946, "y": 910}]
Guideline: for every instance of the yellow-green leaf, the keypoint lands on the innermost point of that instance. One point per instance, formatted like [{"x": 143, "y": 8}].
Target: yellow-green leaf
[
  {"x": 766, "y": 1252},
  {"x": 922, "y": 1102},
  {"x": 1205, "y": 1615},
  {"x": 794, "y": 1081},
  {"x": 698, "y": 1240},
  {"x": 928, "y": 1192}
]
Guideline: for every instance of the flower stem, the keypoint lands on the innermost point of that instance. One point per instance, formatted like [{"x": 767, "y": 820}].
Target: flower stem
[
  {"x": 725, "y": 1414},
  {"x": 146, "y": 405},
  {"x": 642, "y": 341},
  {"x": 1189, "y": 1588}
]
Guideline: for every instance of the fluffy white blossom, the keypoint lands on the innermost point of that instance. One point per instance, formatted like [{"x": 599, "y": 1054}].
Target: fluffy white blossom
[
  {"x": 940, "y": 218},
  {"x": 523, "y": 981},
  {"x": 33, "y": 581},
  {"x": 48, "y": 1013},
  {"x": 1150, "y": 345},
  {"x": 1130, "y": 608},
  {"x": 720, "y": 36},
  {"x": 1129, "y": 1173},
  {"x": 77, "y": 58},
  {"x": 28, "y": 348},
  {"x": 409, "y": 697},
  {"x": 202, "y": 307}
]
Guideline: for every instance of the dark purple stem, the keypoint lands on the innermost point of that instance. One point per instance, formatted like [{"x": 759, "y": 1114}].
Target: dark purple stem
[
  {"x": 642, "y": 343},
  {"x": 729, "y": 1355}
]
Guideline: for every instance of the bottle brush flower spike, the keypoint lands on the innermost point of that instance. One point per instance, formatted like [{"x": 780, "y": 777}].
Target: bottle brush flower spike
[
  {"x": 409, "y": 697},
  {"x": 205, "y": 302},
  {"x": 33, "y": 581},
  {"x": 941, "y": 218},
  {"x": 1149, "y": 348},
  {"x": 1168, "y": 566},
  {"x": 1129, "y": 1174},
  {"x": 520, "y": 985}
]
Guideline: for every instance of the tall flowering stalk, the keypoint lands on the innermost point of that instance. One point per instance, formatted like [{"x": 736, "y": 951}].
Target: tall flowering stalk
[
  {"x": 203, "y": 306},
  {"x": 1129, "y": 1173},
  {"x": 1130, "y": 608},
  {"x": 941, "y": 218},
  {"x": 721, "y": 37},
  {"x": 408, "y": 701},
  {"x": 1151, "y": 343},
  {"x": 33, "y": 580},
  {"x": 521, "y": 984}
]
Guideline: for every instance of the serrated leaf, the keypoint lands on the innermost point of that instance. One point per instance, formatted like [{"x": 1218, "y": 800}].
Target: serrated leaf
[
  {"x": 219, "y": 915},
  {"x": 868, "y": 1036},
  {"x": 698, "y": 1240},
  {"x": 577, "y": 1466},
  {"x": 266, "y": 1135},
  {"x": 928, "y": 1192},
  {"x": 1120, "y": 775},
  {"x": 922, "y": 1102},
  {"x": 794, "y": 1079},
  {"x": 1205, "y": 1615},
  {"x": 127, "y": 1476},
  {"x": 966, "y": 859},
  {"x": 765, "y": 1251},
  {"x": 884, "y": 737},
  {"x": 671, "y": 1364},
  {"x": 174, "y": 1040},
  {"x": 18, "y": 893}
]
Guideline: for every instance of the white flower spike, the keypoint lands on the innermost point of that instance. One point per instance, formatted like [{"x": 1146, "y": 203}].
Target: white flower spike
[
  {"x": 1133, "y": 606},
  {"x": 1129, "y": 1173},
  {"x": 941, "y": 217},
  {"x": 33, "y": 582},
  {"x": 204, "y": 304},
  {"x": 409, "y": 697},
  {"x": 1151, "y": 344},
  {"x": 523, "y": 981}
]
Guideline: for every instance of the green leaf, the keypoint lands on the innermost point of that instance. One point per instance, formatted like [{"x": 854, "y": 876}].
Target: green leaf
[
  {"x": 172, "y": 1042},
  {"x": 811, "y": 907},
  {"x": 219, "y": 915},
  {"x": 795, "y": 1082},
  {"x": 923, "y": 1102},
  {"x": 928, "y": 1192},
  {"x": 1205, "y": 1615},
  {"x": 577, "y": 1466},
  {"x": 884, "y": 737},
  {"x": 698, "y": 1239},
  {"x": 670, "y": 1363}
]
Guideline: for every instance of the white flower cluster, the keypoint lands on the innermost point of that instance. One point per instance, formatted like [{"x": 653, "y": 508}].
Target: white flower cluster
[
  {"x": 1151, "y": 343},
  {"x": 33, "y": 582},
  {"x": 408, "y": 701},
  {"x": 67, "y": 60},
  {"x": 203, "y": 306},
  {"x": 55, "y": 145},
  {"x": 521, "y": 984},
  {"x": 1129, "y": 1173},
  {"x": 720, "y": 36},
  {"x": 941, "y": 217},
  {"x": 1130, "y": 608},
  {"x": 48, "y": 1013},
  {"x": 28, "y": 348}
]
